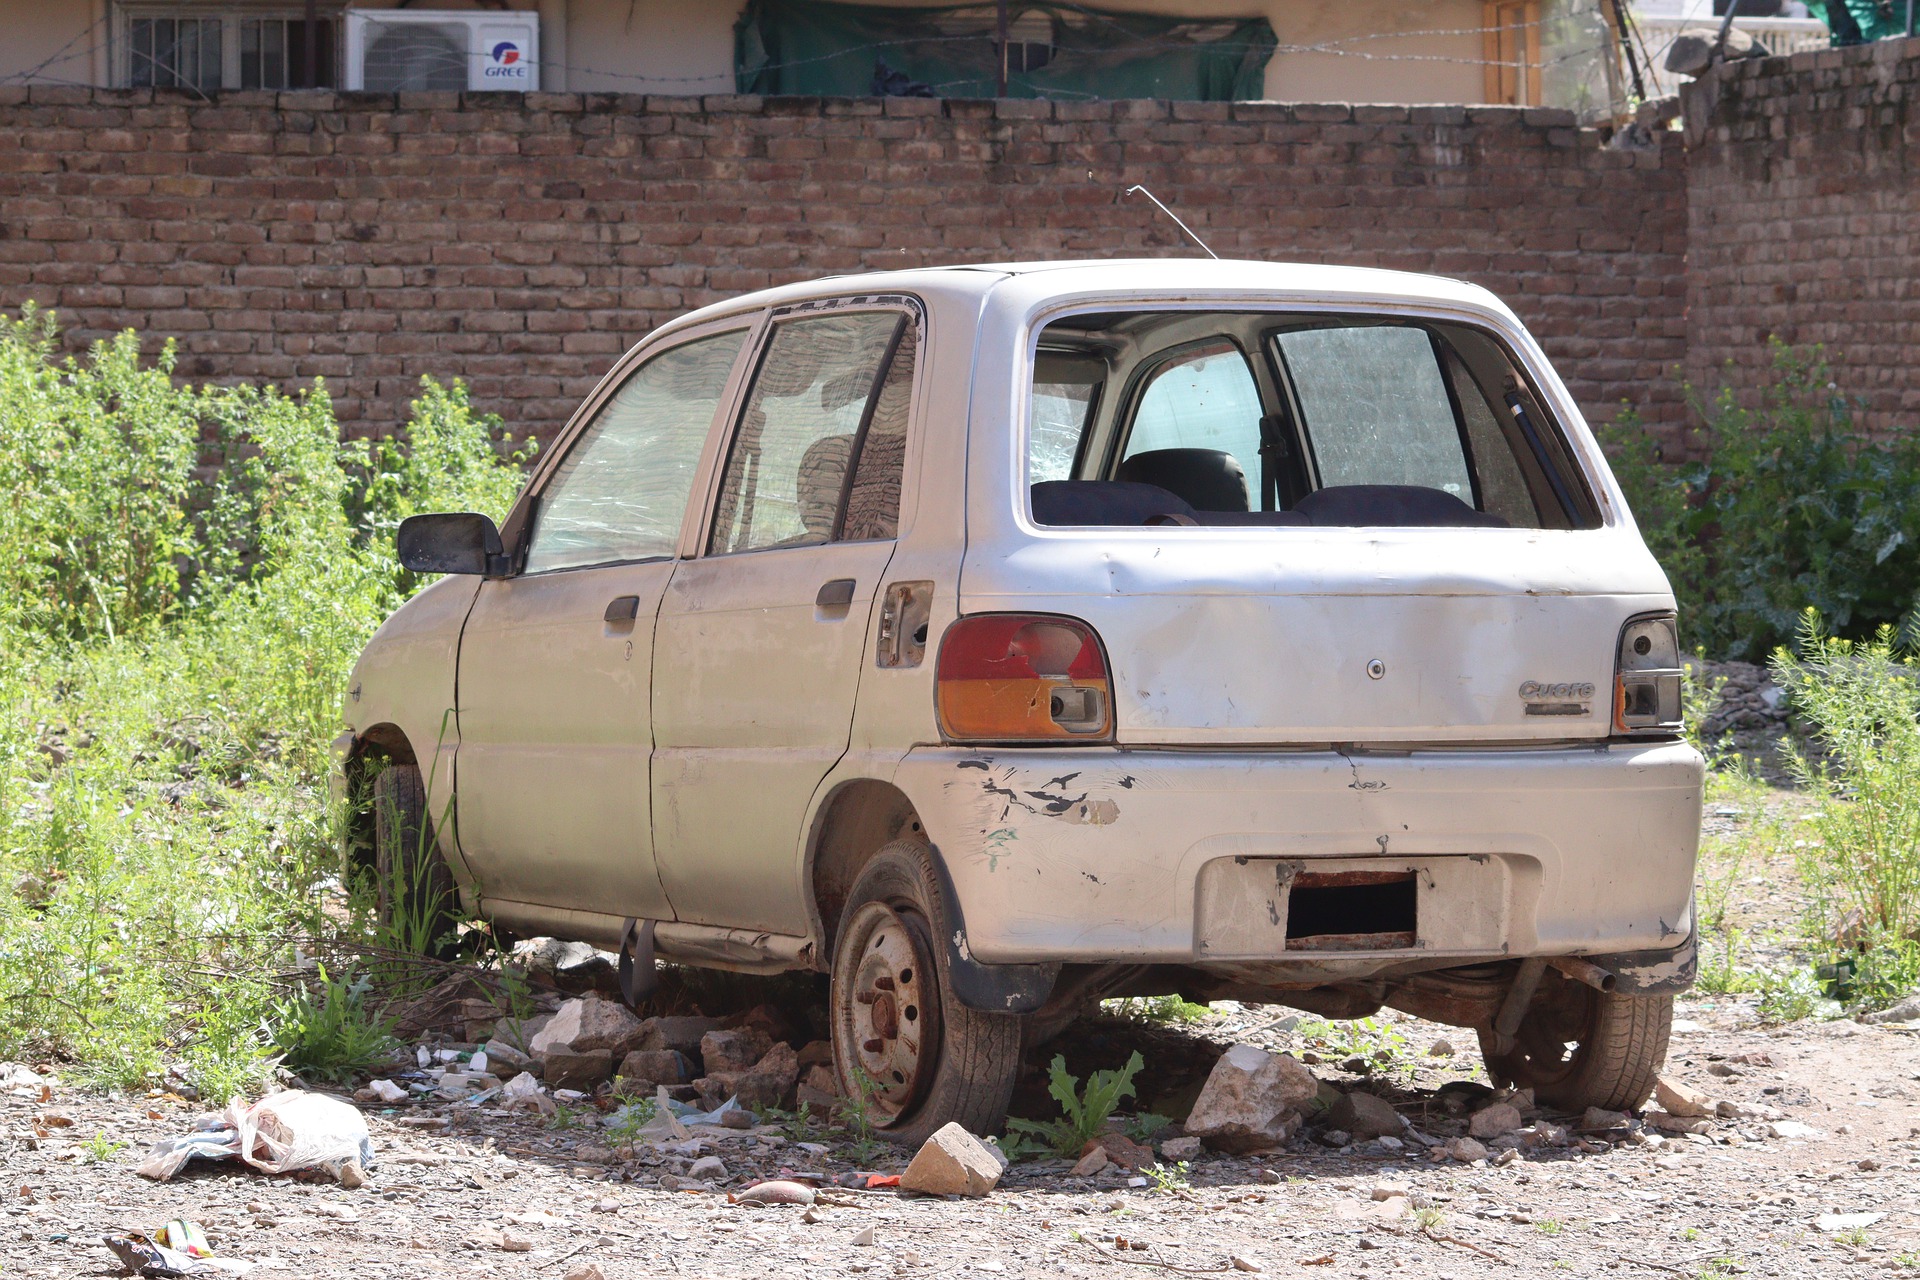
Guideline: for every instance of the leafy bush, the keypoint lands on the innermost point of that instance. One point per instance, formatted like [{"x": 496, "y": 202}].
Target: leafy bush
[
  {"x": 328, "y": 1032},
  {"x": 1863, "y": 864},
  {"x": 1083, "y": 1117},
  {"x": 1779, "y": 509},
  {"x": 186, "y": 575}
]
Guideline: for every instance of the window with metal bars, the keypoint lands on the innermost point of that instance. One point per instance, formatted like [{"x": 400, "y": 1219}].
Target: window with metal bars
[{"x": 206, "y": 49}]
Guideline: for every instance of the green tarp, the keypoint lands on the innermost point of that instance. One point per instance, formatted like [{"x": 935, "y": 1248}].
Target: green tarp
[
  {"x": 857, "y": 50},
  {"x": 1859, "y": 21}
]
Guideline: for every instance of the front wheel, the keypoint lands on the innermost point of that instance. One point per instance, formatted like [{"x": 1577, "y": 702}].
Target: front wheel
[
  {"x": 415, "y": 892},
  {"x": 901, "y": 1038},
  {"x": 1580, "y": 1048}
]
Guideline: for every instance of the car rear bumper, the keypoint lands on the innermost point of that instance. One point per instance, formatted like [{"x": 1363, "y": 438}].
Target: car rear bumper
[{"x": 1232, "y": 858}]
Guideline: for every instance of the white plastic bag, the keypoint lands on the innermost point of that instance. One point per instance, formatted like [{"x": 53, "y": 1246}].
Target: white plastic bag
[{"x": 281, "y": 1133}]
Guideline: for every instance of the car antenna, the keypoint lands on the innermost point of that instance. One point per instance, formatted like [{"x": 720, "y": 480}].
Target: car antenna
[{"x": 1176, "y": 219}]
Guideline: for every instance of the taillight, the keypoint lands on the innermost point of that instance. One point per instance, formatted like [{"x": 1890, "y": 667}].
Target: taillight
[
  {"x": 1022, "y": 677},
  {"x": 1647, "y": 676}
]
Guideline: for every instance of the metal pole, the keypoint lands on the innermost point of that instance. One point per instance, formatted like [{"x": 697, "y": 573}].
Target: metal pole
[
  {"x": 1000, "y": 30},
  {"x": 1626, "y": 47},
  {"x": 1726, "y": 25},
  {"x": 313, "y": 48},
  {"x": 1910, "y": 16}
]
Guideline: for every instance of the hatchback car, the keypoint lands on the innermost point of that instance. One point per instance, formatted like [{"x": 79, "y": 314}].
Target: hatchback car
[{"x": 1000, "y": 639}]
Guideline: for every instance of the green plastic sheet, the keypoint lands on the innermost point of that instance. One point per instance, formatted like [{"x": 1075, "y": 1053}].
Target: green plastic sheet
[
  {"x": 1861, "y": 21},
  {"x": 857, "y": 50}
]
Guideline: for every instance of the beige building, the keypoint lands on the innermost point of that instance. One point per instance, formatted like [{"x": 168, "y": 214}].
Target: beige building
[{"x": 1388, "y": 51}]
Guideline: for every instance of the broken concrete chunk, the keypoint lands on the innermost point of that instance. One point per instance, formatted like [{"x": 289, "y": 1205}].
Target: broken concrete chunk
[
  {"x": 587, "y": 1023},
  {"x": 1495, "y": 1120},
  {"x": 1465, "y": 1150},
  {"x": 1094, "y": 1161},
  {"x": 571, "y": 1069},
  {"x": 739, "y": 1049},
  {"x": 505, "y": 1060},
  {"x": 1121, "y": 1149},
  {"x": 709, "y": 1169},
  {"x": 1250, "y": 1101},
  {"x": 1599, "y": 1119},
  {"x": 952, "y": 1163},
  {"x": 1182, "y": 1148},
  {"x": 681, "y": 1034},
  {"x": 1366, "y": 1116},
  {"x": 1667, "y": 1122},
  {"x": 643, "y": 1069},
  {"x": 769, "y": 1083},
  {"x": 1681, "y": 1099}
]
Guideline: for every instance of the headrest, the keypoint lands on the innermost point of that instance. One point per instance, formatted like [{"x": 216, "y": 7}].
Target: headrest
[{"x": 1209, "y": 479}]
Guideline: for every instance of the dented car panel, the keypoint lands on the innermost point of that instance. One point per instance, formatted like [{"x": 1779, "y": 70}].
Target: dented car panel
[{"x": 1186, "y": 857}]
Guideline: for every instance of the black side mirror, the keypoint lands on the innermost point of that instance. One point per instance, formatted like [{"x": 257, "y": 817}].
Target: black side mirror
[{"x": 450, "y": 542}]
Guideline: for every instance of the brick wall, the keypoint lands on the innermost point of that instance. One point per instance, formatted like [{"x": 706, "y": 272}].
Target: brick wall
[
  {"x": 521, "y": 244},
  {"x": 1804, "y": 192}
]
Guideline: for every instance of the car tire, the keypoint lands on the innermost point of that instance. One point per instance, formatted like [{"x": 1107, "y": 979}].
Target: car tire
[
  {"x": 1583, "y": 1048},
  {"x": 414, "y": 890},
  {"x": 927, "y": 1060}
]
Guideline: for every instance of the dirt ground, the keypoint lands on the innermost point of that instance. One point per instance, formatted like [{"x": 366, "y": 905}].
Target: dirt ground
[{"x": 1819, "y": 1174}]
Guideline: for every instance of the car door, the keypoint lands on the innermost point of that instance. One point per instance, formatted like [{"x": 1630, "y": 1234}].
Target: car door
[
  {"x": 555, "y": 672},
  {"x": 761, "y": 637}
]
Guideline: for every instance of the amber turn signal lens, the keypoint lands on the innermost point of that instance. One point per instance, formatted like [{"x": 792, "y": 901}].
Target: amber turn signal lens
[{"x": 1022, "y": 677}]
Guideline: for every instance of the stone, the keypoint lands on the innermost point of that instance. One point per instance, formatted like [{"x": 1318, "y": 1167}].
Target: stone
[
  {"x": 1907, "y": 1010},
  {"x": 572, "y": 966},
  {"x": 681, "y": 1034},
  {"x": 1681, "y": 1099},
  {"x": 643, "y": 1069},
  {"x": 1365, "y": 1116},
  {"x": 1846, "y": 1221},
  {"x": 769, "y": 1018},
  {"x": 1793, "y": 1129},
  {"x": 1465, "y": 1150},
  {"x": 584, "y": 1271},
  {"x": 738, "y": 1049},
  {"x": 821, "y": 1077},
  {"x": 506, "y": 1061},
  {"x": 953, "y": 1162},
  {"x": 1441, "y": 1049},
  {"x": 1597, "y": 1119},
  {"x": 817, "y": 1053},
  {"x": 863, "y": 1238},
  {"x": 523, "y": 1093},
  {"x": 768, "y": 1083},
  {"x": 386, "y": 1091},
  {"x": 708, "y": 1169},
  {"x": 1094, "y": 1161},
  {"x": 1697, "y": 48},
  {"x": 1667, "y": 1122},
  {"x": 586, "y": 1023},
  {"x": 1181, "y": 1148},
  {"x": 778, "y": 1191},
  {"x": 1722, "y": 1069},
  {"x": 1250, "y": 1100},
  {"x": 1122, "y": 1150},
  {"x": 571, "y": 1069},
  {"x": 1495, "y": 1120}
]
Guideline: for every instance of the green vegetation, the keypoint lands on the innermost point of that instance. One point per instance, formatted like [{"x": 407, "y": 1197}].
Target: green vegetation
[
  {"x": 1779, "y": 509},
  {"x": 1083, "y": 1116},
  {"x": 186, "y": 575},
  {"x": 1171, "y": 1178},
  {"x": 327, "y": 1031},
  {"x": 1155, "y": 1009},
  {"x": 1375, "y": 1040}
]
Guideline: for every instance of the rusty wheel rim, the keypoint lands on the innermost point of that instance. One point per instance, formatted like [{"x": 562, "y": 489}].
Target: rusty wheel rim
[{"x": 890, "y": 1012}]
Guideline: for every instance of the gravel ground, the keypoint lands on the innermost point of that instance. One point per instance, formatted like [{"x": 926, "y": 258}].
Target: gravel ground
[{"x": 458, "y": 1190}]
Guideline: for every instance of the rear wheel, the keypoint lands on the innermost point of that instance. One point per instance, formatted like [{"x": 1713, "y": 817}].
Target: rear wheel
[
  {"x": 900, "y": 1036},
  {"x": 415, "y": 892},
  {"x": 1580, "y": 1048}
]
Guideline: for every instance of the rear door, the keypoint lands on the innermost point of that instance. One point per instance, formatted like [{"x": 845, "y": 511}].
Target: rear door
[
  {"x": 761, "y": 638},
  {"x": 551, "y": 773}
]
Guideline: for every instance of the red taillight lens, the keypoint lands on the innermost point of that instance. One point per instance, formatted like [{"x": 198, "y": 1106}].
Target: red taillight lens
[{"x": 1022, "y": 677}]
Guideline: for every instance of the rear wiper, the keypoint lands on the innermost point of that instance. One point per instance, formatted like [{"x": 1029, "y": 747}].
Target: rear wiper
[{"x": 1540, "y": 451}]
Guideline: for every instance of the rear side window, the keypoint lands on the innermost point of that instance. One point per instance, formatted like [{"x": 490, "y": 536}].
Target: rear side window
[
  {"x": 622, "y": 490},
  {"x": 800, "y": 456},
  {"x": 1375, "y": 407},
  {"x": 1202, "y": 398}
]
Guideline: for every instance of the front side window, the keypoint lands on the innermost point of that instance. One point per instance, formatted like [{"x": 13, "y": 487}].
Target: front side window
[
  {"x": 622, "y": 490},
  {"x": 830, "y": 402}
]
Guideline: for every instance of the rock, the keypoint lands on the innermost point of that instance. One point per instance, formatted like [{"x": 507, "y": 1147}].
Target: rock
[
  {"x": 769, "y": 1083},
  {"x": 1793, "y": 1129},
  {"x": 1182, "y": 1148},
  {"x": 1596, "y": 1119},
  {"x": 953, "y": 1162},
  {"x": 1441, "y": 1049},
  {"x": 506, "y": 1061},
  {"x": 1722, "y": 1069},
  {"x": 584, "y": 1271},
  {"x": 1681, "y": 1099},
  {"x": 1250, "y": 1100},
  {"x": 779, "y": 1191},
  {"x": 1244, "y": 1264},
  {"x": 681, "y": 1034},
  {"x": 821, "y": 1078},
  {"x": 572, "y": 966},
  {"x": 770, "y": 1018},
  {"x": 440, "y": 1008},
  {"x": 1666, "y": 1122},
  {"x": 512, "y": 1243},
  {"x": 1465, "y": 1150},
  {"x": 569, "y": 1069},
  {"x": 818, "y": 1053},
  {"x": 386, "y": 1091},
  {"x": 1907, "y": 1010},
  {"x": 1697, "y": 48},
  {"x": 1365, "y": 1116},
  {"x": 643, "y": 1069},
  {"x": 1846, "y": 1221},
  {"x": 864, "y": 1238},
  {"x": 1744, "y": 1111},
  {"x": 1388, "y": 1190},
  {"x": 1507, "y": 1157},
  {"x": 522, "y": 1093},
  {"x": 709, "y": 1169},
  {"x": 735, "y": 1050},
  {"x": 1091, "y": 1163},
  {"x": 1495, "y": 1120},
  {"x": 587, "y": 1023},
  {"x": 1358, "y": 1064},
  {"x": 1122, "y": 1150}
]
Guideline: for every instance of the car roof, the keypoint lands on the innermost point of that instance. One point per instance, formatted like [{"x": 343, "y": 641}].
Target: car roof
[{"x": 1214, "y": 280}]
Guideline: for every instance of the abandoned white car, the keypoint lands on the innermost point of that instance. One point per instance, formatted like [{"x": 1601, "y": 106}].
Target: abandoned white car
[{"x": 1000, "y": 639}]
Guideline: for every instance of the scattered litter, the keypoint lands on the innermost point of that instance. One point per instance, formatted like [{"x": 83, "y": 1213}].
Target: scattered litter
[
  {"x": 865, "y": 1237},
  {"x": 386, "y": 1091},
  {"x": 144, "y": 1256},
  {"x": 281, "y": 1133},
  {"x": 187, "y": 1236},
  {"x": 1793, "y": 1129},
  {"x": 523, "y": 1093},
  {"x": 778, "y": 1191},
  {"x": 1846, "y": 1221}
]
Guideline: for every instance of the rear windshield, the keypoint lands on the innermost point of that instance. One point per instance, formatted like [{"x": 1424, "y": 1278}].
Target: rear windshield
[{"x": 1239, "y": 418}]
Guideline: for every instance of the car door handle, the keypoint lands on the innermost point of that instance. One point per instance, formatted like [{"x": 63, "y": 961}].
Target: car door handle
[
  {"x": 837, "y": 594},
  {"x": 623, "y": 609}
]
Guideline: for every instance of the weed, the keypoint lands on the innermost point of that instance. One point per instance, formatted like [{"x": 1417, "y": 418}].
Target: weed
[
  {"x": 798, "y": 1125},
  {"x": 856, "y": 1113},
  {"x": 1163, "y": 1009},
  {"x": 1143, "y": 1126},
  {"x": 1550, "y": 1226},
  {"x": 327, "y": 1033},
  {"x": 1691, "y": 1233},
  {"x": 623, "y": 1126},
  {"x": 1169, "y": 1177},
  {"x": 1429, "y": 1219},
  {"x": 1793, "y": 994},
  {"x": 1083, "y": 1116},
  {"x": 1375, "y": 1040},
  {"x": 1720, "y": 1269},
  {"x": 1857, "y": 1237},
  {"x": 563, "y": 1117},
  {"x": 100, "y": 1148}
]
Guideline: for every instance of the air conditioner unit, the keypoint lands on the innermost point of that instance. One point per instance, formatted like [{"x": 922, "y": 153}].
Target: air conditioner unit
[{"x": 408, "y": 49}]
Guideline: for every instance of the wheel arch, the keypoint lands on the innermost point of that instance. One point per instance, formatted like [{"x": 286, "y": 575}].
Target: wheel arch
[{"x": 372, "y": 749}]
